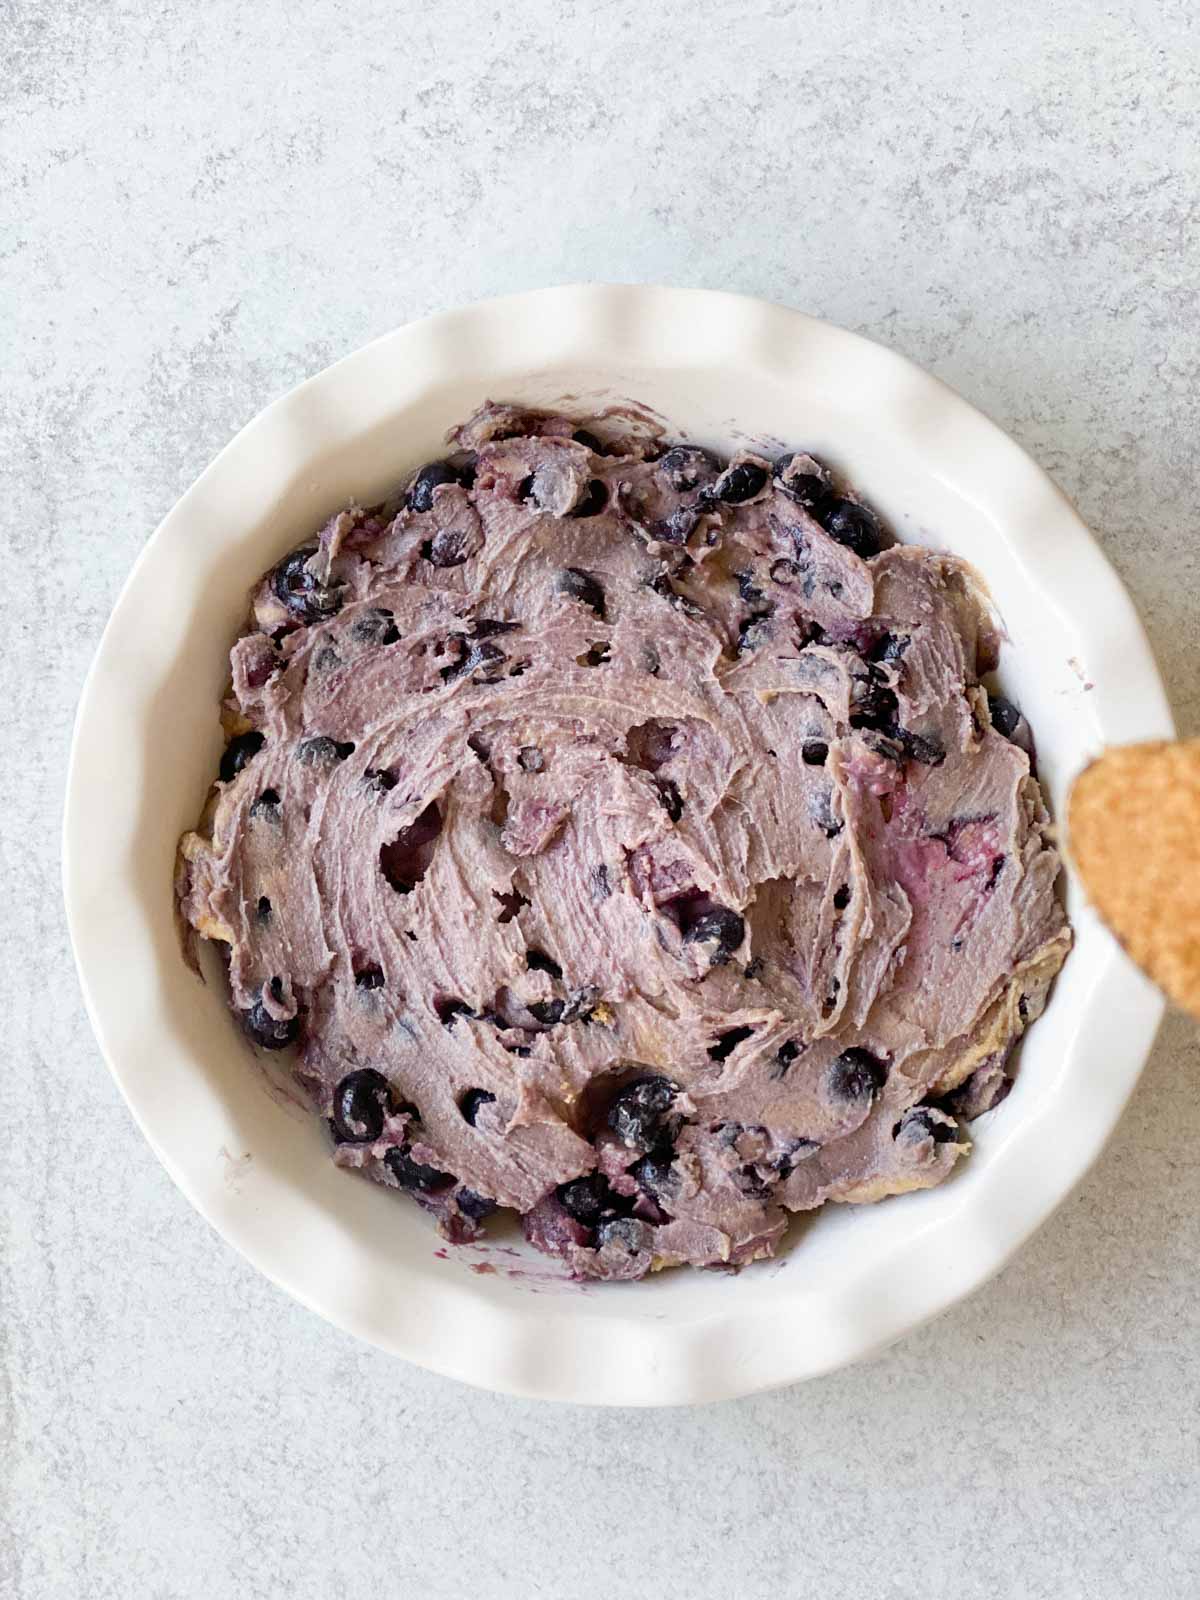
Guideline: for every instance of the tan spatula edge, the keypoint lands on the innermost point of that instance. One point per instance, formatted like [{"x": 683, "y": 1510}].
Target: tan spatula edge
[{"x": 1133, "y": 832}]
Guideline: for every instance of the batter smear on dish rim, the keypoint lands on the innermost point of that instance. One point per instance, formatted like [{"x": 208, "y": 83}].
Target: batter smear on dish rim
[{"x": 624, "y": 836}]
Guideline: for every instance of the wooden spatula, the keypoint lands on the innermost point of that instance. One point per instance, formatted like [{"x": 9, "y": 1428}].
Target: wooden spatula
[{"x": 1133, "y": 824}]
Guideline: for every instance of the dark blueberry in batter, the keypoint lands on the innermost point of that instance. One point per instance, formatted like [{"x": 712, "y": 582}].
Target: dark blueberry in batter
[
  {"x": 592, "y": 501},
  {"x": 489, "y": 627},
  {"x": 588, "y": 440},
  {"x": 754, "y": 632},
  {"x": 379, "y": 779},
  {"x": 852, "y": 525},
  {"x": 875, "y": 707},
  {"x": 530, "y": 758},
  {"x": 669, "y": 797},
  {"x": 630, "y": 1232},
  {"x": 1005, "y": 717},
  {"x": 728, "y": 1043},
  {"x": 475, "y": 1206},
  {"x": 796, "y": 1151},
  {"x": 748, "y": 590},
  {"x": 920, "y": 1123},
  {"x": 430, "y": 477},
  {"x": 653, "y": 1172},
  {"x": 723, "y": 928},
  {"x": 784, "y": 571},
  {"x": 585, "y": 1198},
  {"x": 784, "y": 1057},
  {"x": 267, "y": 805},
  {"x": 678, "y": 527},
  {"x": 917, "y": 747},
  {"x": 583, "y": 587},
  {"x": 814, "y": 752},
  {"x": 238, "y": 752},
  {"x": 889, "y": 647},
  {"x": 304, "y": 595},
  {"x": 685, "y": 466},
  {"x": 375, "y": 627},
  {"x": 446, "y": 548},
  {"x": 807, "y": 489},
  {"x": 323, "y": 752},
  {"x": 539, "y": 961},
  {"x": 369, "y": 977},
  {"x": 473, "y": 1102},
  {"x": 547, "y": 1012},
  {"x": 638, "y": 1114},
  {"x": 449, "y": 1011},
  {"x": 360, "y": 1104},
  {"x": 740, "y": 483},
  {"x": 841, "y": 898},
  {"x": 855, "y": 1075},
  {"x": 263, "y": 908},
  {"x": 267, "y": 1031},
  {"x": 410, "y": 1174}
]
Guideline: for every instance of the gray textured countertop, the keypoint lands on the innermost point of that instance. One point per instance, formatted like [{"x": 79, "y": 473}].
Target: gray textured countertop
[{"x": 204, "y": 204}]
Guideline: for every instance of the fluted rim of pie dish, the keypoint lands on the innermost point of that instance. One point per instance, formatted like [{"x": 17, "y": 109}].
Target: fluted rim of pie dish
[{"x": 568, "y": 1346}]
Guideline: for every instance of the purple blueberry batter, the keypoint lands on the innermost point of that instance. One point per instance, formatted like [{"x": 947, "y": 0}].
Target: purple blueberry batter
[{"x": 624, "y": 837}]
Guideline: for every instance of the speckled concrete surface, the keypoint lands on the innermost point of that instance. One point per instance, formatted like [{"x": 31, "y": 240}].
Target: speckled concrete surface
[{"x": 203, "y": 204}]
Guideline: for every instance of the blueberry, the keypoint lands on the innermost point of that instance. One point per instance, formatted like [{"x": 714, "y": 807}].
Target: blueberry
[
  {"x": 855, "y": 1075},
  {"x": 430, "y": 477},
  {"x": 721, "y": 927},
  {"x": 748, "y": 590},
  {"x": 489, "y": 627},
  {"x": 581, "y": 586},
  {"x": 592, "y": 501},
  {"x": 588, "y": 440},
  {"x": 369, "y": 977},
  {"x": 270, "y": 1032},
  {"x": 754, "y": 632},
  {"x": 473, "y": 1102},
  {"x": 638, "y": 1114},
  {"x": 410, "y": 1174},
  {"x": 814, "y": 752},
  {"x": 928, "y": 751},
  {"x": 889, "y": 647},
  {"x": 585, "y": 1198},
  {"x": 841, "y": 897},
  {"x": 728, "y": 1042},
  {"x": 784, "y": 571},
  {"x": 853, "y": 525},
  {"x": 740, "y": 483},
  {"x": 360, "y": 1105},
  {"x": 919, "y": 1122},
  {"x": 685, "y": 466},
  {"x": 375, "y": 626},
  {"x": 301, "y": 591},
  {"x": 267, "y": 805},
  {"x": 653, "y": 1172},
  {"x": 379, "y": 780},
  {"x": 1006, "y": 719},
  {"x": 475, "y": 1206},
  {"x": 784, "y": 1057},
  {"x": 807, "y": 489},
  {"x": 539, "y": 961},
  {"x": 447, "y": 548},
  {"x": 238, "y": 752},
  {"x": 263, "y": 909},
  {"x": 669, "y": 797},
  {"x": 628, "y": 1232},
  {"x": 678, "y": 527},
  {"x": 875, "y": 706},
  {"x": 323, "y": 752},
  {"x": 547, "y": 1012},
  {"x": 449, "y": 1011}
]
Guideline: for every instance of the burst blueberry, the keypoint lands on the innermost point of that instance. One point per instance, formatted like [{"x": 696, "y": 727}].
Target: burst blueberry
[{"x": 360, "y": 1105}]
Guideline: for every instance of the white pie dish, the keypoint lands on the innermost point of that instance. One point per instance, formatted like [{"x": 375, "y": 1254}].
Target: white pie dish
[{"x": 719, "y": 368}]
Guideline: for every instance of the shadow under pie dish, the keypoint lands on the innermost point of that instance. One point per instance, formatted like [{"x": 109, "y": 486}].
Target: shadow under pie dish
[{"x": 621, "y": 833}]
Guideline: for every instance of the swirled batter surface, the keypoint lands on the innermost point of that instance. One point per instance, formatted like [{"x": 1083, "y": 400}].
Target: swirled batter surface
[{"x": 623, "y": 835}]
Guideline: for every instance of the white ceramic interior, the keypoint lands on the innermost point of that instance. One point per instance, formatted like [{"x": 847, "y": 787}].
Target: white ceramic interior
[{"x": 718, "y": 368}]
